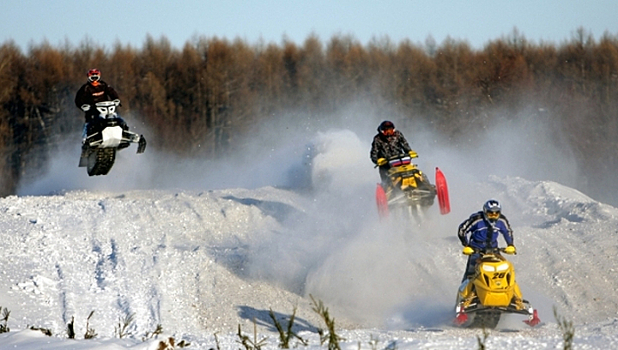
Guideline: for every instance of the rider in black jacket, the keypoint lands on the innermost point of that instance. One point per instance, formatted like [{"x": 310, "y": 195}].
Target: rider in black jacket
[{"x": 95, "y": 90}]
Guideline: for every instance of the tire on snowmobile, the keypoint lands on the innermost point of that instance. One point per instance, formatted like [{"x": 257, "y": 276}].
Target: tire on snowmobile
[
  {"x": 100, "y": 162},
  {"x": 381, "y": 202}
]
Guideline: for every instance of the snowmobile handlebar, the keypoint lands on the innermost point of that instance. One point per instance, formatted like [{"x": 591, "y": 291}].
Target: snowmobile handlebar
[
  {"x": 115, "y": 102},
  {"x": 492, "y": 251},
  {"x": 398, "y": 160},
  {"x": 403, "y": 156}
]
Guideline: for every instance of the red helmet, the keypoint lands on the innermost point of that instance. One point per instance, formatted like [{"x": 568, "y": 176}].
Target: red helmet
[{"x": 94, "y": 75}]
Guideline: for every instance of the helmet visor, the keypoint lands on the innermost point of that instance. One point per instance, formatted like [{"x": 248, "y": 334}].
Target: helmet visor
[
  {"x": 94, "y": 77},
  {"x": 388, "y": 132},
  {"x": 493, "y": 215}
]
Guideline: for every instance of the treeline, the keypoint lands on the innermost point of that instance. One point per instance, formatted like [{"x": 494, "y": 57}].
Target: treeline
[{"x": 199, "y": 99}]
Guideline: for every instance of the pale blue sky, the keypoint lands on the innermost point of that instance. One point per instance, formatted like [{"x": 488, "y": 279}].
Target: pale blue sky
[{"x": 130, "y": 21}]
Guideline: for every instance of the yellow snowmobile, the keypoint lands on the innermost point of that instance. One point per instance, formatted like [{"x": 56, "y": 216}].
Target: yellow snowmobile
[
  {"x": 409, "y": 189},
  {"x": 490, "y": 292}
]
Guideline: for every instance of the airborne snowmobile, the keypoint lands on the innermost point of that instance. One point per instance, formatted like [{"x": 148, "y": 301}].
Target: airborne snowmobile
[
  {"x": 490, "y": 292},
  {"x": 409, "y": 190},
  {"x": 105, "y": 135}
]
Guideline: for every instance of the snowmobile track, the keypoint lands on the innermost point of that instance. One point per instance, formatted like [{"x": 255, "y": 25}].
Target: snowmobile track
[{"x": 103, "y": 161}]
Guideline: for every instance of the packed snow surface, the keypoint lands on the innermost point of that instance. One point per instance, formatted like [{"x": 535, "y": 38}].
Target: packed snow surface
[{"x": 202, "y": 263}]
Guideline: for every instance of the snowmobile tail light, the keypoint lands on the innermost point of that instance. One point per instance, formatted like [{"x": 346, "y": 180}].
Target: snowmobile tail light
[
  {"x": 502, "y": 267},
  {"x": 488, "y": 268}
]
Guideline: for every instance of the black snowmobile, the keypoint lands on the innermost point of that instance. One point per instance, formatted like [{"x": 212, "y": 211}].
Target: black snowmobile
[{"x": 105, "y": 135}]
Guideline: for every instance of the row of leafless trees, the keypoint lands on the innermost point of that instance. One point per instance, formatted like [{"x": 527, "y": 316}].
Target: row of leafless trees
[{"x": 212, "y": 91}]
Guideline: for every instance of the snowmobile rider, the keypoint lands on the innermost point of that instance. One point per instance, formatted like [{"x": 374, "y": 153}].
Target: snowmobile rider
[
  {"x": 93, "y": 91},
  {"x": 389, "y": 142},
  {"x": 484, "y": 227}
]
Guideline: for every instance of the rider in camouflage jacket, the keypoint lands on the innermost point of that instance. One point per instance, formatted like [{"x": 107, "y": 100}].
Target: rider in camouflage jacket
[{"x": 388, "y": 143}]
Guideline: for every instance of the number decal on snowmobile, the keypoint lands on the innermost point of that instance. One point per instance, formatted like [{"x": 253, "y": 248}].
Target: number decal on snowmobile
[{"x": 498, "y": 275}]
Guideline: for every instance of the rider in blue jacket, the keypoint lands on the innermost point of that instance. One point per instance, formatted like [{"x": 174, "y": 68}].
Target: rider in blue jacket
[{"x": 483, "y": 228}]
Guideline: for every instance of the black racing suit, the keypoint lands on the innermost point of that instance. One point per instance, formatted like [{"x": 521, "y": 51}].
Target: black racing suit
[{"x": 90, "y": 94}]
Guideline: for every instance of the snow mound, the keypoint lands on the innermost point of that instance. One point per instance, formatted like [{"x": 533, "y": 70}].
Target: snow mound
[
  {"x": 203, "y": 263},
  {"x": 551, "y": 202}
]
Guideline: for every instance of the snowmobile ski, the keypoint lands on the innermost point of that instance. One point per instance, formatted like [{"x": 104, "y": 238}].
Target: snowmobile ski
[
  {"x": 442, "y": 191},
  {"x": 382, "y": 202}
]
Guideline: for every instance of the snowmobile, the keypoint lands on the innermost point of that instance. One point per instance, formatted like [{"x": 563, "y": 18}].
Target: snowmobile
[
  {"x": 491, "y": 292},
  {"x": 105, "y": 135},
  {"x": 409, "y": 190}
]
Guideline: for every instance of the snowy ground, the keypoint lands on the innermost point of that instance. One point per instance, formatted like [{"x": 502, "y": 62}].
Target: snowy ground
[{"x": 202, "y": 262}]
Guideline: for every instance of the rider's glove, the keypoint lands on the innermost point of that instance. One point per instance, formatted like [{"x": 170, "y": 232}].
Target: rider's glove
[
  {"x": 85, "y": 107},
  {"x": 467, "y": 251},
  {"x": 413, "y": 154},
  {"x": 117, "y": 102},
  {"x": 510, "y": 250},
  {"x": 381, "y": 161}
]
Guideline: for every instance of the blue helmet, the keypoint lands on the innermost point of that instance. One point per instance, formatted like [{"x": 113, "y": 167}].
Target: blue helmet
[{"x": 492, "y": 209}]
